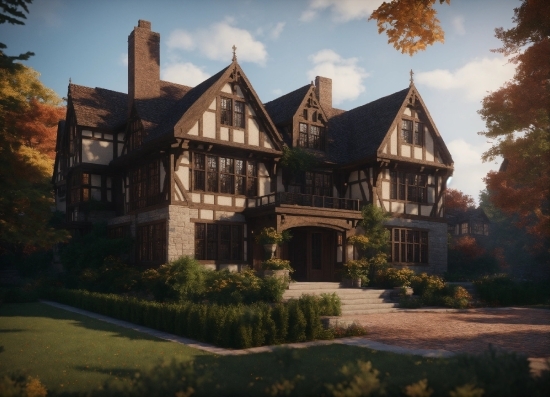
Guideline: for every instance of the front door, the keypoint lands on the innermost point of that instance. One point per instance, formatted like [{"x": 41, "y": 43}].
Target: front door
[{"x": 312, "y": 253}]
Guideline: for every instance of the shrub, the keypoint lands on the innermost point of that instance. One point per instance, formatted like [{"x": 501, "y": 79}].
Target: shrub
[
  {"x": 456, "y": 297},
  {"x": 277, "y": 264},
  {"x": 18, "y": 385},
  {"x": 356, "y": 269},
  {"x": 391, "y": 277},
  {"x": 268, "y": 235},
  {"x": 237, "y": 326},
  {"x": 18, "y": 294},
  {"x": 502, "y": 290}
]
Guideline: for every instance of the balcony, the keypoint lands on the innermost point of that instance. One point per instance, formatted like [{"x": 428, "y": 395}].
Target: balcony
[{"x": 305, "y": 200}]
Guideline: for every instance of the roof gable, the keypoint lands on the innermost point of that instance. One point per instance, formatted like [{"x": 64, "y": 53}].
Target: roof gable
[
  {"x": 98, "y": 107},
  {"x": 282, "y": 109}
]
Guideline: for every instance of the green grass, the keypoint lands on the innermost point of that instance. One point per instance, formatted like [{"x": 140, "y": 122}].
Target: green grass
[{"x": 73, "y": 353}]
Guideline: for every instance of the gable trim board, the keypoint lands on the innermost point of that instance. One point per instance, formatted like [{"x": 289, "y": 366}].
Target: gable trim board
[{"x": 176, "y": 123}]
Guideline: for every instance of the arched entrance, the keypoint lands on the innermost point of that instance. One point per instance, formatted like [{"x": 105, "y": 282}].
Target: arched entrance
[{"x": 312, "y": 253}]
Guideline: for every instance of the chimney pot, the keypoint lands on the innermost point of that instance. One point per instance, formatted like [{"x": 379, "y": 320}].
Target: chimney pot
[{"x": 144, "y": 24}]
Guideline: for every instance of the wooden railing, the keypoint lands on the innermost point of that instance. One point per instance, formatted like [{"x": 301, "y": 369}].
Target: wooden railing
[{"x": 306, "y": 200}]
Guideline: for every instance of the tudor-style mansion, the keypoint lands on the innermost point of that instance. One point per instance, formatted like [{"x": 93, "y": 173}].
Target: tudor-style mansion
[{"x": 196, "y": 170}]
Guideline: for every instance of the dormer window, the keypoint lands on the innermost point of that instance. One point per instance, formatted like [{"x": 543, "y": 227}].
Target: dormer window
[
  {"x": 413, "y": 136},
  {"x": 311, "y": 136},
  {"x": 232, "y": 116}
]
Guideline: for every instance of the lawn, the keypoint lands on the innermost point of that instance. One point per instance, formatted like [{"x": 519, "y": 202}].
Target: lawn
[{"x": 73, "y": 353}]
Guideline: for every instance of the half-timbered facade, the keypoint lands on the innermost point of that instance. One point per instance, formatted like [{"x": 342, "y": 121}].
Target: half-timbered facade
[{"x": 196, "y": 170}]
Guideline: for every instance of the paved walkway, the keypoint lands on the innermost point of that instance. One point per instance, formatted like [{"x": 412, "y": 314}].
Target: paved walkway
[{"x": 428, "y": 333}]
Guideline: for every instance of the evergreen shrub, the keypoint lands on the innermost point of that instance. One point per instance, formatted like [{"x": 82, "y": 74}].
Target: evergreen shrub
[{"x": 236, "y": 326}]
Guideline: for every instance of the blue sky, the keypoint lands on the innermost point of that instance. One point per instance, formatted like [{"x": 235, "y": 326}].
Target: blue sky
[{"x": 282, "y": 45}]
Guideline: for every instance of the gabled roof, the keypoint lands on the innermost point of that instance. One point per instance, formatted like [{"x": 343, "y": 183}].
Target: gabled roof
[
  {"x": 168, "y": 114},
  {"x": 285, "y": 107},
  {"x": 98, "y": 107},
  {"x": 459, "y": 216},
  {"x": 358, "y": 133}
]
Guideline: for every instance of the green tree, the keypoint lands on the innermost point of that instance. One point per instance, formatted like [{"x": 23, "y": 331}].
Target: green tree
[{"x": 13, "y": 12}]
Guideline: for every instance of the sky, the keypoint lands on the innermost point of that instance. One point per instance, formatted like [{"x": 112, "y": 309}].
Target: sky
[{"x": 281, "y": 46}]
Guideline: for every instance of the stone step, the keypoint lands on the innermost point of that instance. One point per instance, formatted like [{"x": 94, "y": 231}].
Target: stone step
[
  {"x": 341, "y": 291},
  {"x": 360, "y": 306},
  {"x": 371, "y": 311}
]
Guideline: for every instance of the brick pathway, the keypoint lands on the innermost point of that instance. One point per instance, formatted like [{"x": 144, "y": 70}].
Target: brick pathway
[{"x": 522, "y": 330}]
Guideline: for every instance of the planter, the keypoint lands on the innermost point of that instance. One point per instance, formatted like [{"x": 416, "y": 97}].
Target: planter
[
  {"x": 351, "y": 283},
  {"x": 281, "y": 274},
  {"x": 270, "y": 250}
]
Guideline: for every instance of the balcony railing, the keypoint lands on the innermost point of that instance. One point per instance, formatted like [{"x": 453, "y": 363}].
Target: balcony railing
[{"x": 306, "y": 200}]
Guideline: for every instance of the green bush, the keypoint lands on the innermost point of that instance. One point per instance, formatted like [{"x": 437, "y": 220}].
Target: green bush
[
  {"x": 185, "y": 279},
  {"x": 237, "y": 326},
  {"x": 502, "y": 290},
  {"x": 18, "y": 294},
  {"x": 19, "y": 385},
  {"x": 390, "y": 277}
]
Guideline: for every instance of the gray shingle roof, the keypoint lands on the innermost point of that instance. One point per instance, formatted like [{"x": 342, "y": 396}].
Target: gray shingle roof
[
  {"x": 359, "y": 132},
  {"x": 98, "y": 107},
  {"x": 285, "y": 107}
]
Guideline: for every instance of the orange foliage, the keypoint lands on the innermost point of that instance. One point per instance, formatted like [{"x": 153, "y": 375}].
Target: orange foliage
[
  {"x": 469, "y": 247},
  {"x": 411, "y": 25},
  {"x": 456, "y": 200},
  {"x": 37, "y": 126}
]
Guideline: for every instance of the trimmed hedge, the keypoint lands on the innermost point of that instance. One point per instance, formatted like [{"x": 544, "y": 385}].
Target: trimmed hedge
[
  {"x": 502, "y": 290},
  {"x": 236, "y": 326}
]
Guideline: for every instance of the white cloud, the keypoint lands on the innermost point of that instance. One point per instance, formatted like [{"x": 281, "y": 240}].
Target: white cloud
[
  {"x": 473, "y": 80},
  {"x": 342, "y": 10},
  {"x": 347, "y": 77},
  {"x": 184, "y": 73},
  {"x": 277, "y": 91},
  {"x": 469, "y": 169},
  {"x": 458, "y": 25},
  {"x": 216, "y": 42},
  {"x": 277, "y": 30},
  {"x": 123, "y": 59}
]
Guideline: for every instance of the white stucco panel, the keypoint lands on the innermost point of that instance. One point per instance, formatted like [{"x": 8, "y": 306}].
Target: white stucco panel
[
  {"x": 405, "y": 151},
  {"x": 267, "y": 142},
  {"x": 407, "y": 112},
  {"x": 426, "y": 210},
  {"x": 194, "y": 130},
  {"x": 418, "y": 153},
  {"x": 183, "y": 176},
  {"x": 393, "y": 142},
  {"x": 386, "y": 190},
  {"x": 225, "y": 200},
  {"x": 238, "y": 136},
  {"x": 398, "y": 207},
  {"x": 239, "y": 91},
  {"x": 429, "y": 147},
  {"x": 412, "y": 209},
  {"x": 209, "y": 125},
  {"x": 253, "y": 132},
  {"x": 224, "y": 133},
  {"x": 227, "y": 88},
  {"x": 212, "y": 105}
]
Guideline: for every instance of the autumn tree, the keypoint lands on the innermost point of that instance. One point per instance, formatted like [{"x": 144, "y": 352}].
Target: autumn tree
[
  {"x": 456, "y": 200},
  {"x": 27, "y": 107},
  {"x": 517, "y": 118},
  {"x": 411, "y": 25}
]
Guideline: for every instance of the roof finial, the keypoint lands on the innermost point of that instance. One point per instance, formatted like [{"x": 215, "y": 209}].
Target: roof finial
[
  {"x": 70, "y": 80},
  {"x": 234, "y": 53},
  {"x": 412, "y": 79}
]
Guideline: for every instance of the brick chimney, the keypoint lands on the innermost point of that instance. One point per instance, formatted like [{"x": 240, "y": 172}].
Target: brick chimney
[
  {"x": 143, "y": 63},
  {"x": 323, "y": 90}
]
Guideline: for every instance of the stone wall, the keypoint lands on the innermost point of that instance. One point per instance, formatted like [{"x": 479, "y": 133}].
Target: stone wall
[{"x": 437, "y": 243}]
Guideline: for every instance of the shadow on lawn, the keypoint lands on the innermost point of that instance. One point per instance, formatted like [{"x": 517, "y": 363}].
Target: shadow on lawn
[{"x": 78, "y": 320}]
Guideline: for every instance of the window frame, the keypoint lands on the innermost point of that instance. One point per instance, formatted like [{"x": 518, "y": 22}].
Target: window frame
[
  {"x": 310, "y": 140},
  {"x": 409, "y": 187},
  {"x": 230, "y": 115},
  {"x": 413, "y": 136},
  {"x": 243, "y": 174},
  {"x": 151, "y": 246},
  {"x": 410, "y": 246},
  {"x": 210, "y": 247},
  {"x": 144, "y": 186}
]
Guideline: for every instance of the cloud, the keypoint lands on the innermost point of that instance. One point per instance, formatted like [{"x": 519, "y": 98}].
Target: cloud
[
  {"x": 277, "y": 30},
  {"x": 277, "y": 91},
  {"x": 341, "y": 10},
  {"x": 123, "y": 59},
  {"x": 347, "y": 77},
  {"x": 472, "y": 80},
  {"x": 184, "y": 73},
  {"x": 216, "y": 42},
  {"x": 469, "y": 169},
  {"x": 458, "y": 25}
]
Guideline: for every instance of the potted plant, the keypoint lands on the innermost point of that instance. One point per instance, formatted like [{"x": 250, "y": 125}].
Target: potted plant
[
  {"x": 271, "y": 238},
  {"x": 275, "y": 267},
  {"x": 353, "y": 272}
]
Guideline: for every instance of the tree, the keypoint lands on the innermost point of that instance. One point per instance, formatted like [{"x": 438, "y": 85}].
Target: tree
[
  {"x": 517, "y": 117},
  {"x": 26, "y": 163},
  {"x": 13, "y": 12},
  {"x": 456, "y": 200},
  {"x": 411, "y": 25}
]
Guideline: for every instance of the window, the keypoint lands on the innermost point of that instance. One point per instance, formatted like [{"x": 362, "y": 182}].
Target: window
[
  {"x": 318, "y": 184},
  {"x": 137, "y": 134},
  {"x": 311, "y": 136},
  {"x": 224, "y": 175},
  {"x": 409, "y": 187},
  {"x": 118, "y": 231},
  {"x": 151, "y": 241},
  {"x": 232, "y": 116},
  {"x": 85, "y": 187},
  {"x": 144, "y": 186},
  {"x": 219, "y": 241},
  {"x": 413, "y": 136},
  {"x": 409, "y": 246},
  {"x": 464, "y": 228}
]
